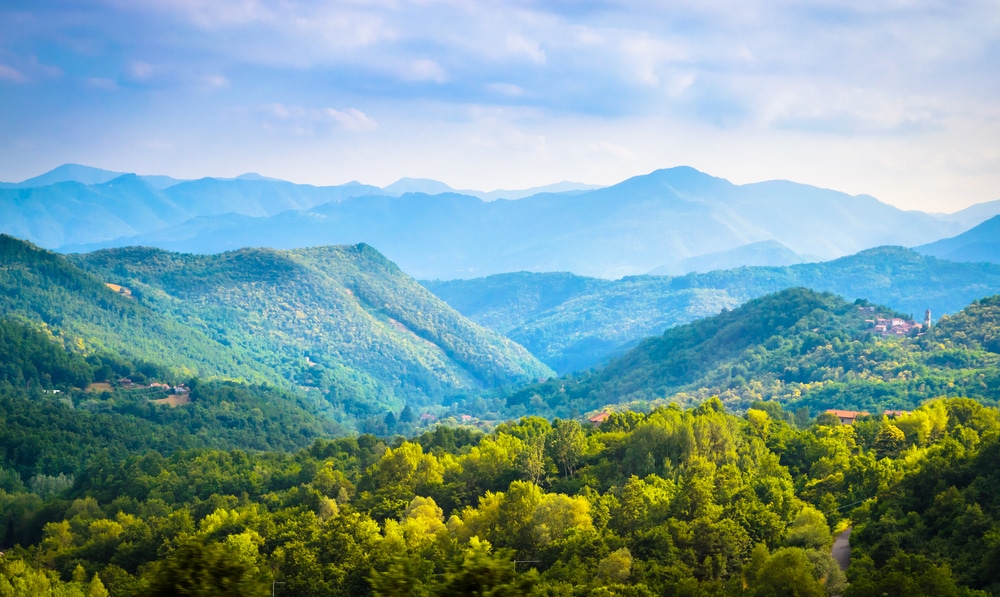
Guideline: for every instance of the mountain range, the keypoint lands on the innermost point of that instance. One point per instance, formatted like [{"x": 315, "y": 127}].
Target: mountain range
[
  {"x": 981, "y": 243},
  {"x": 797, "y": 347},
  {"x": 573, "y": 322},
  {"x": 341, "y": 323},
  {"x": 670, "y": 221}
]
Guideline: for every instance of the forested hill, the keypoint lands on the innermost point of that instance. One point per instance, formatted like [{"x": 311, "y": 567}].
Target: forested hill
[
  {"x": 800, "y": 347},
  {"x": 85, "y": 315},
  {"x": 344, "y": 320},
  {"x": 573, "y": 323}
]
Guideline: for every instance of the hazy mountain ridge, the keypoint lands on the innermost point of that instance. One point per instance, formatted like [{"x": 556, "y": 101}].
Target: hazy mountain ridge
[
  {"x": 630, "y": 228},
  {"x": 573, "y": 323},
  {"x": 72, "y": 213},
  {"x": 979, "y": 244},
  {"x": 765, "y": 252}
]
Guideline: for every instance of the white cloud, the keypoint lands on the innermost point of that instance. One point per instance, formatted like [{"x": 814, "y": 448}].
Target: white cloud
[
  {"x": 608, "y": 148},
  {"x": 508, "y": 89},
  {"x": 425, "y": 70},
  {"x": 11, "y": 74},
  {"x": 352, "y": 119},
  {"x": 215, "y": 81},
  {"x": 521, "y": 46},
  {"x": 140, "y": 70}
]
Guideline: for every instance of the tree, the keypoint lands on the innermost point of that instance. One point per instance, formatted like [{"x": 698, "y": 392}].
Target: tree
[
  {"x": 890, "y": 441},
  {"x": 96, "y": 588},
  {"x": 200, "y": 570},
  {"x": 568, "y": 444},
  {"x": 809, "y": 530},
  {"x": 788, "y": 572}
]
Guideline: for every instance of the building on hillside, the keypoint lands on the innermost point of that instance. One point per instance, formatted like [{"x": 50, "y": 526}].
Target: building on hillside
[
  {"x": 599, "y": 418},
  {"x": 847, "y": 417},
  {"x": 119, "y": 289},
  {"x": 897, "y": 326},
  {"x": 895, "y": 413}
]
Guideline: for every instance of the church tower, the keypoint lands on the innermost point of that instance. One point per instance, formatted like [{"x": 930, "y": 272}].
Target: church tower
[{"x": 927, "y": 319}]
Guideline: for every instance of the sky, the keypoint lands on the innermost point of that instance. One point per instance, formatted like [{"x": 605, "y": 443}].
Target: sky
[{"x": 899, "y": 99}]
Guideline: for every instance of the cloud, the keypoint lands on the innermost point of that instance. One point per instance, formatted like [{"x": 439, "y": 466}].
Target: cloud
[
  {"x": 215, "y": 81},
  {"x": 140, "y": 70},
  {"x": 11, "y": 74},
  {"x": 425, "y": 70},
  {"x": 518, "y": 45},
  {"x": 608, "y": 148},
  {"x": 352, "y": 120},
  {"x": 508, "y": 89},
  {"x": 920, "y": 73}
]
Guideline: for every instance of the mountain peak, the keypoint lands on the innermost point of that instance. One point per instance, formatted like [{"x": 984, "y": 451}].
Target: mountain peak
[
  {"x": 417, "y": 185},
  {"x": 71, "y": 173}
]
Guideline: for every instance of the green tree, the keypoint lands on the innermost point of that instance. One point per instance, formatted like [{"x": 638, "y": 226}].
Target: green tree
[
  {"x": 201, "y": 570},
  {"x": 890, "y": 441},
  {"x": 567, "y": 444},
  {"x": 788, "y": 572}
]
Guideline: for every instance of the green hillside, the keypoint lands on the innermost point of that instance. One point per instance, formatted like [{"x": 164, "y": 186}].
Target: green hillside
[
  {"x": 800, "y": 347},
  {"x": 51, "y": 425},
  {"x": 84, "y": 314},
  {"x": 573, "y": 323},
  {"x": 343, "y": 320}
]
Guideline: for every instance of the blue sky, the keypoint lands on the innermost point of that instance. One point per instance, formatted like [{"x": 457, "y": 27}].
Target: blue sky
[{"x": 899, "y": 99}]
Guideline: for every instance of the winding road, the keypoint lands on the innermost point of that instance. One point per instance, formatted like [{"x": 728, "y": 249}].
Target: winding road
[{"x": 842, "y": 549}]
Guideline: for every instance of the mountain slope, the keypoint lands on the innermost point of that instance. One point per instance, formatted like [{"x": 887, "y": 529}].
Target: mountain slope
[
  {"x": 344, "y": 320},
  {"x": 765, "y": 252},
  {"x": 982, "y": 243},
  {"x": 72, "y": 214},
  {"x": 630, "y": 228},
  {"x": 572, "y": 323},
  {"x": 797, "y": 346},
  {"x": 45, "y": 288}
]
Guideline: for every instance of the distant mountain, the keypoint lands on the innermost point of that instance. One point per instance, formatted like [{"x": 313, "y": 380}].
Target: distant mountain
[
  {"x": 573, "y": 323},
  {"x": 70, "y": 214},
  {"x": 798, "y": 347},
  {"x": 416, "y": 185},
  {"x": 973, "y": 215},
  {"x": 629, "y": 228},
  {"x": 564, "y": 187},
  {"x": 343, "y": 320},
  {"x": 69, "y": 173},
  {"x": 765, "y": 252},
  {"x": 85, "y": 175},
  {"x": 433, "y": 187},
  {"x": 982, "y": 243}
]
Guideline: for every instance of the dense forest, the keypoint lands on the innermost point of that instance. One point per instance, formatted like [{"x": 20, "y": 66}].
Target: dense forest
[{"x": 673, "y": 502}]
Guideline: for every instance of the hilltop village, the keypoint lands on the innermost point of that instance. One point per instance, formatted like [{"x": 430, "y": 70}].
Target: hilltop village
[{"x": 897, "y": 326}]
